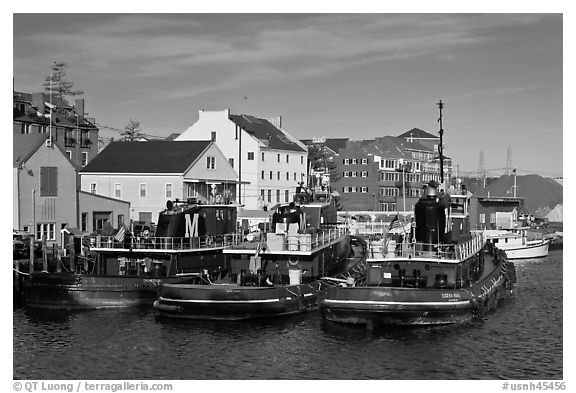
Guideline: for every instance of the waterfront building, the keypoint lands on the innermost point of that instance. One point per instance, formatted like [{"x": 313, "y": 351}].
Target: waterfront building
[
  {"x": 148, "y": 174},
  {"x": 270, "y": 161},
  {"x": 45, "y": 192},
  {"x": 70, "y": 128},
  {"x": 484, "y": 210},
  {"x": 385, "y": 173}
]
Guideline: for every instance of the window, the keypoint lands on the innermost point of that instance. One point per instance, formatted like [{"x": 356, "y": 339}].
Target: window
[
  {"x": 294, "y": 176},
  {"x": 302, "y": 177},
  {"x": 364, "y": 190},
  {"x": 354, "y": 174},
  {"x": 262, "y": 156},
  {"x": 346, "y": 161},
  {"x": 25, "y": 128},
  {"x": 93, "y": 188},
  {"x": 271, "y": 175},
  {"x": 390, "y": 163},
  {"x": 47, "y": 230},
  {"x": 301, "y": 159},
  {"x": 210, "y": 162},
  {"x": 286, "y": 195},
  {"x": 346, "y": 174},
  {"x": 168, "y": 190},
  {"x": 99, "y": 219},
  {"x": 364, "y": 161},
  {"x": 278, "y": 176},
  {"x": 117, "y": 190},
  {"x": 278, "y": 157},
  {"x": 277, "y": 195},
  {"x": 69, "y": 154},
  {"x": 120, "y": 220},
  {"x": 262, "y": 175},
  {"x": 231, "y": 162},
  {"x": 262, "y": 195},
  {"x": 142, "y": 190},
  {"x": 269, "y": 195},
  {"x": 84, "y": 158},
  {"x": 213, "y": 136},
  {"x": 69, "y": 140},
  {"x": 250, "y": 156},
  {"x": 287, "y": 177},
  {"x": 364, "y": 173},
  {"x": 391, "y": 191},
  {"x": 287, "y": 158},
  {"x": 84, "y": 222},
  {"x": 145, "y": 216},
  {"x": 354, "y": 161},
  {"x": 48, "y": 181}
]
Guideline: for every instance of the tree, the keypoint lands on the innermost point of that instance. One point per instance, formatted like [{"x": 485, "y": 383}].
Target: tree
[
  {"x": 323, "y": 162},
  {"x": 59, "y": 86},
  {"x": 132, "y": 131}
]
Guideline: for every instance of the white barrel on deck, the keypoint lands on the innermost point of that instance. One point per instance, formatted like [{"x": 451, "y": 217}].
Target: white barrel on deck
[{"x": 295, "y": 276}]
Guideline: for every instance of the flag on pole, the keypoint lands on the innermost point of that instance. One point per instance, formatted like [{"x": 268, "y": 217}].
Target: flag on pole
[
  {"x": 395, "y": 223},
  {"x": 121, "y": 234}
]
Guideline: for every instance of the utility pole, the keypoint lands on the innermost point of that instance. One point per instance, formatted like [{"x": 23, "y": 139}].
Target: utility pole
[{"x": 239, "y": 134}]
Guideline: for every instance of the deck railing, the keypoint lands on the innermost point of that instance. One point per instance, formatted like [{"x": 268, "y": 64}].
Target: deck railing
[
  {"x": 380, "y": 249},
  {"x": 164, "y": 243}
]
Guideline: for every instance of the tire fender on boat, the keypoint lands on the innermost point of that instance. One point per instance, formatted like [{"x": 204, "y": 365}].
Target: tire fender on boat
[{"x": 293, "y": 263}]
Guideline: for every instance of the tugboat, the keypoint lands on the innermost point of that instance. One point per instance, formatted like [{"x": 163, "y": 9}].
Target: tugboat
[
  {"x": 277, "y": 274},
  {"x": 438, "y": 273},
  {"x": 127, "y": 270}
]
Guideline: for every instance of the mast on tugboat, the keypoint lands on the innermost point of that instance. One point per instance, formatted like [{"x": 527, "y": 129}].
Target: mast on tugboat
[{"x": 440, "y": 148}]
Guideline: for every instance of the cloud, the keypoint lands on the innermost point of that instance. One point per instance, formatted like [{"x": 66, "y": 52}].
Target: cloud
[{"x": 232, "y": 50}]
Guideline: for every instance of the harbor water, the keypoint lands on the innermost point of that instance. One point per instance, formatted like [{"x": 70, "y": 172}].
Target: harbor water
[{"x": 521, "y": 339}]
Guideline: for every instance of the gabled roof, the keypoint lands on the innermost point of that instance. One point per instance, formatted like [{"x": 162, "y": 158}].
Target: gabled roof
[
  {"x": 24, "y": 146},
  {"x": 414, "y": 145},
  {"x": 266, "y": 132},
  {"x": 158, "y": 156},
  {"x": 387, "y": 147},
  {"x": 418, "y": 133}
]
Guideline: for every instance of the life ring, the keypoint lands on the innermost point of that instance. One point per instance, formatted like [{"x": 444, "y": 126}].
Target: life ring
[
  {"x": 293, "y": 263},
  {"x": 209, "y": 240}
]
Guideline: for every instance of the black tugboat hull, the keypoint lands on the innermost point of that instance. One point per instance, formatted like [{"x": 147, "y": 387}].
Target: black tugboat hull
[
  {"x": 77, "y": 291},
  {"x": 374, "y": 306},
  {"x": 234, "y": 302}
]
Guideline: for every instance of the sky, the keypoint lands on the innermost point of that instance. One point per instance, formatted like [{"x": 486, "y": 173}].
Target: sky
[{"x": 356, "y": 75}]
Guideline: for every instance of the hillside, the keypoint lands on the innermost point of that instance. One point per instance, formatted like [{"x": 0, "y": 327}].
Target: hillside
[{"x": 541, "y": 194}]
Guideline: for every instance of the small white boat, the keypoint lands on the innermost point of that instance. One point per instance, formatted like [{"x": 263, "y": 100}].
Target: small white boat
[{"x": 516, "y": 244}]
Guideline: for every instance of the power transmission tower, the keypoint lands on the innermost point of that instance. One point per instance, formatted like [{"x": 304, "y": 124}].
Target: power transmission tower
[{"x": 508, "y": 161}]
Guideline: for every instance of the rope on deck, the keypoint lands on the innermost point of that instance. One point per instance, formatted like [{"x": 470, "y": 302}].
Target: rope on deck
[{"x": 19, "y": 272}]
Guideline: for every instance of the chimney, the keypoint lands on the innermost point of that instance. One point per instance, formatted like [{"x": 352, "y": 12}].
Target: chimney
[
  {"x": 38, "y": 101},
  {"x": 79, "y": 106},
  {"x": 276, "y": 121}
]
